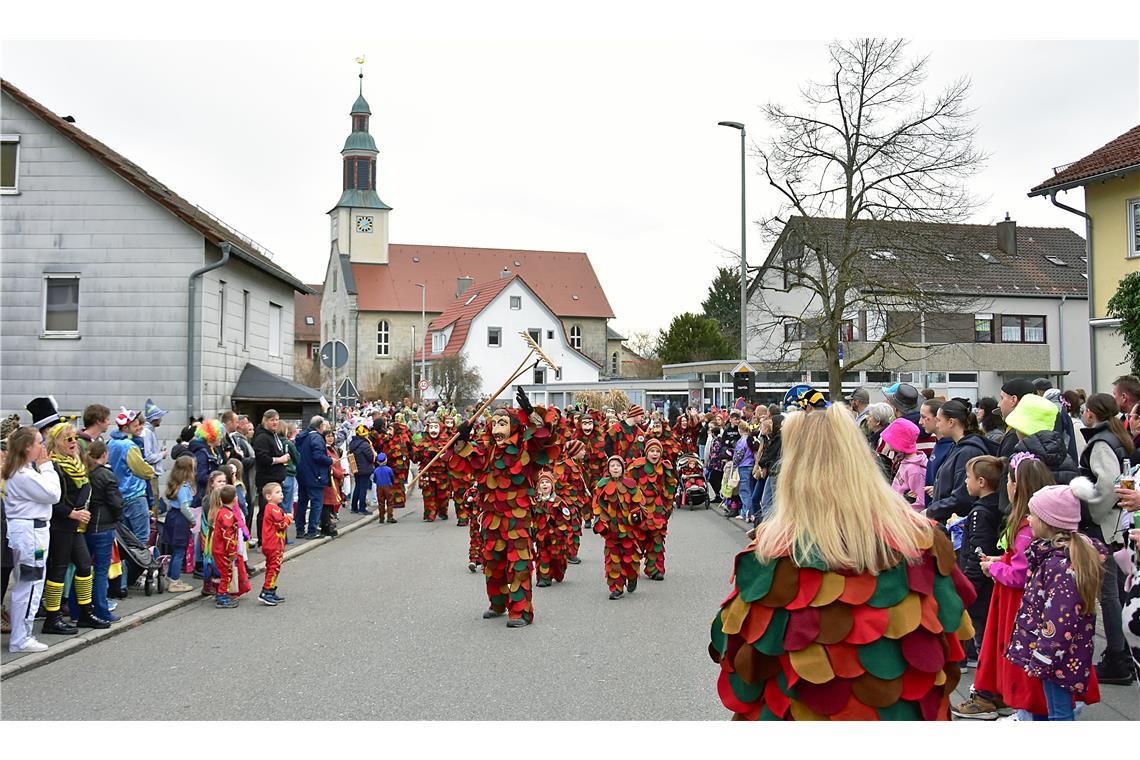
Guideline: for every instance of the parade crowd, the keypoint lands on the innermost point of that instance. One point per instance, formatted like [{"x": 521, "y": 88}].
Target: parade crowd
[{"x": 893, "y": 544}]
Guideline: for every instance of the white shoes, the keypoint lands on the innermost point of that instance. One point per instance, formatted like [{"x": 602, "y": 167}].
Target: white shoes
[{"x": 31, "y": 645}]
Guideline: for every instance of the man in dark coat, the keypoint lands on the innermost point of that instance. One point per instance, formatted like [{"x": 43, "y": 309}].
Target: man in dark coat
[
  {"x": 271, "y": 456},
  {"x": 313, "y": 474}
]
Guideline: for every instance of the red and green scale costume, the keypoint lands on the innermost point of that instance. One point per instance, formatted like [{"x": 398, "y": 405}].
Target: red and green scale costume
[
  {"x": 594, "y": 464},
  {"x": 658, "y": 486},
  {"x": 506, "y": 475},
  {"x": 805, "y": 643},
  {"x": 628, "y": 441},
  {"x": 435, "y": 482},
  {"x": 474, "y": 537},
  {"x": 554, "y": 531},
  {"x": 615, "y": 504},
  {"x": 395, "y": 443},
  {"x": 574, "y": 491}
]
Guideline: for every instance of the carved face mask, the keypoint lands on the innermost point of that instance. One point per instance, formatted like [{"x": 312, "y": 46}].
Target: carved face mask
[
  {"x": 587, "y": 426},
  {"x": 500, "y": 428},
  {"x": 433, "y": 429}
]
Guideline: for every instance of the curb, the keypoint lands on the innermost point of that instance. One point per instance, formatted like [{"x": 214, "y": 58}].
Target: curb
[{"x": 131, "y": 622}]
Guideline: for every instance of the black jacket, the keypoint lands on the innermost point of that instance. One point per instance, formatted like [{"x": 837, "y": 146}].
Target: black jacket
[
  {"x": 267, "y": 446},
  {"x": 950, "y": 494},
  {"x": 981, "y": 530},
  {"x": 106, "y": 503},
  {"x": 1050, "y": 447},
  {"x": 361, "y": 449},
  {"x": 770, "y": 456},
  {"x": 71, "y": 498}
]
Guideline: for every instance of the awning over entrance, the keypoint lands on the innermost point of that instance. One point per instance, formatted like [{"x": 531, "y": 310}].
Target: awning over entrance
[{"x": 258, "y": 390}]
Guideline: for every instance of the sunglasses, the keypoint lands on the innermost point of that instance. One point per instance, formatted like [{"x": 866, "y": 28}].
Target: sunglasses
[{"x": 69, "y": 439}]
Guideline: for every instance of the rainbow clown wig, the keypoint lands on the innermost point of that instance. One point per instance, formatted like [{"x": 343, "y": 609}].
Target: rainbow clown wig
[{"x": 210, "y": 431}]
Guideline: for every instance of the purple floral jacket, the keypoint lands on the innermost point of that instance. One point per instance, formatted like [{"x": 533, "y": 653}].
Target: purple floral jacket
[{"x": 1052, "y": 635}]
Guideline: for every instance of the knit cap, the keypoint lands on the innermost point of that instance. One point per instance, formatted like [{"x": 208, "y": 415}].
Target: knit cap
[
  {"x": 901, "y": 435},
  {"x": 152, "y": 411},
  {"x": 1033, "y": 414},
  {"x": 651, "y": 443},
  {"x": 635, "y": 411},
  {"x": 125, "y": 416},
  {"x": 1060, "y": 506}
]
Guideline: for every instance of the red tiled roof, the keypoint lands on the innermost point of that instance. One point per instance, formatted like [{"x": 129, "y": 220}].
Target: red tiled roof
[
  {"x": 1121, "y": 153},
  {"x": 566, "y": 282},
  {"x": 307, "y": 306},
  {"x": 461, "y": 312}
]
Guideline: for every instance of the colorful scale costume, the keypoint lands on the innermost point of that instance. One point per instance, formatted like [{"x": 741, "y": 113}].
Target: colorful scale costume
[
  {"x": 594, "y": 463},
  {"x": 435, "y": 483},
  {"x": 658, "y": 486},
  {"x": 628, "y": 440},
  {"x": 575, "y": 493},
  {"x": 474, "y": 536},
  {"x": 617, "y": 509},
  {"x": 805, "y": 643},
  {"x": 506, "y": 472},
  {"x": 554, "y": 530},
  {"x": 395, "y": 443}
]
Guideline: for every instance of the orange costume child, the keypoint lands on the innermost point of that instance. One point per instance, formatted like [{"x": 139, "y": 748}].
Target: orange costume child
[
  {"x": 553, "y": 531},
  {"x": 618, "y": 514},
  {"x": 224, "y": 549},
  {"x": 273, "y": 526},
  {"x": 506, "y": 468},
  {"x": 658, "y": 484},
  {"x": 435, "y": 482},
  {"x": 474, "y": 536},
  {"x": 593, "y": 435}
]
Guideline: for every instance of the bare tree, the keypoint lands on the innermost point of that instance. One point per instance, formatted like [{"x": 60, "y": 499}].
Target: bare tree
[
  {"x": 307, "y": 371},
  {"x": 456, "y": 378},
  {"x": 864, "y": 167}
]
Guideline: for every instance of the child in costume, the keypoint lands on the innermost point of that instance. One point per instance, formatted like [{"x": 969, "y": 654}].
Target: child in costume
[
  {"x": 658, "y": 484},
  {"x": 234, "y": 478},
  {"x": 435, "y": 480},
  {"x": 474, "y": 535},
  {"x": 627, "y": 436},
  {"x": 273, "y": 528},
  {"x": 618, "y": 514},
  {"x": 506, "y": 466},
  {"x": 574, "y": 491},
  {"x": 554, "y": 533},
  {"x": 591, "y": 433},
  {"x": 214, "y": 482},
  {"x": 224, "y": 540},
  {"x": 384, "y": 479}
]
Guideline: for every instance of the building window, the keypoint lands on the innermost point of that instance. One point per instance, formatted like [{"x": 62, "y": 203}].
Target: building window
[
  {"x": 1021, "y": 329},
  {"x": 334, "y": 280},
  {"x": 539, "y": 375},
  {"x": 359, "y": 123},
  {"x": 614, "y": 363},
  {"x": 314, "y": 350},
  {"x": 61, "y": 304},
  {"x": 494, "y": 336},
  {"x": 516, "y": 303},
  {"x": 274, "y": 329},
  {"x": 9, "y": 164},
  {"x": 793, "y": 331},
  {"x": 1133, "y": 226},
  {"x": 576, "y": 337},
  {"x": 963, "y": 377},
  {"x": 245, "y": 320},
  {"x": 310, "y": 321},
  {"x": 983, "y": 328},
  {"x": 550, "y": 335},
  {"x": 879, "y": 377},
  {"x": 438, "y": 342},
  {"x": 535, "y": 334},
  {"x": 847, "y": 331},
  {"x": 382, "y": 335},
  {"x": 221, "y": 312}
]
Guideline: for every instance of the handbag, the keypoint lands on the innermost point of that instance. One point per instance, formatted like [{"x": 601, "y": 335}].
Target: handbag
[{"x": 731, "y": 483}]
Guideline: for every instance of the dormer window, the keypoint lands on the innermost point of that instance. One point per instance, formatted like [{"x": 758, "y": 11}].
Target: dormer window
[
  {"x": 437, "y": 342},
  {"x": 1055, "y": 261}
]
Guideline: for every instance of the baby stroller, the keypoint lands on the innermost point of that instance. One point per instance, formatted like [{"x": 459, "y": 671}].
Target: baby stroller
[
  {"x": 140, "y": 560},
  {"x": 693, "y": 492}
]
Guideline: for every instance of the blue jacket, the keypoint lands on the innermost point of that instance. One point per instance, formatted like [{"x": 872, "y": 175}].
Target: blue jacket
[
  {"x": 383, "y": 476},
  {"x": 313, "y": 466},
  {"x": 361, "y": 449},
  {"x": 941, "y": 448},
  {"x": 130, "y": 485},
  {"x": 206, "y": 460}
]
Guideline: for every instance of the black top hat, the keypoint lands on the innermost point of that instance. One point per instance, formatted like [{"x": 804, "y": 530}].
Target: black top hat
[{"x": 44, "y": 411}]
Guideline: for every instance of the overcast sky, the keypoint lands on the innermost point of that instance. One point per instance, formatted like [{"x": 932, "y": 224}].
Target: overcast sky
[{"x": 610, "y": 148}]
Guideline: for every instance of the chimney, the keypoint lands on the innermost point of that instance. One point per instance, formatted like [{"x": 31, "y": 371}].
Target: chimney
[
  {"x": 504, "y": 274},
  {"x": 462, "y": 284},
  {"x": 1007, "y": 236}
]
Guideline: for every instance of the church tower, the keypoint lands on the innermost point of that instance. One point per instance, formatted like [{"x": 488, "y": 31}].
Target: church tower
[{"x": 359, "y": 221}]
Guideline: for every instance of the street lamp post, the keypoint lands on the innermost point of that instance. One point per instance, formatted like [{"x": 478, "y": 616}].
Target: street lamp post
[
  {"x": 423, "y": 329},
  {"x": 743, "y": 246}
]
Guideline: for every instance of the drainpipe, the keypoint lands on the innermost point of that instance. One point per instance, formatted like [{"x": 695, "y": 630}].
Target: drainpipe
[
  {"x": 1089, "y": 277},
  {"x": 1061, "y": 340},
  {"x": 190, "y": 288}
]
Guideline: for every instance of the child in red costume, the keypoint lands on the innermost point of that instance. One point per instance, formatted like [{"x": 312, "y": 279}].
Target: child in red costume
[
  {"x": 574, "y": 491},
  {"x": 658, "y": 484},
  {"x": 506, "y": 468},
  {"x": 273, "y": 525},
  {"x": 627, "y": 437},
  {"x": 474, "y": 537},
  {"x": 554, "y": 531},
  {"x": 435, "y": 481},
  {"x": 618, "y": 515},
  {"x": 224, "y": 546},
  {"x": 392, "y": 439},
  {"x": 592, "y": 434}
]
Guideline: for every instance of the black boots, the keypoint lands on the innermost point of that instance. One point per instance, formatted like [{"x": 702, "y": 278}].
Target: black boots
[
  {"x": 1115, "y": 668},
  {"x": 493, "y": 614},
  {"x": 517, "y": 623},
  {"x": 631, "y": 584},
  {"x": 543, "y": 582},
  {"x": 616, "y": 594},
  {"x": 88, "y": 619},
  {"x": 55, "y": 625}
]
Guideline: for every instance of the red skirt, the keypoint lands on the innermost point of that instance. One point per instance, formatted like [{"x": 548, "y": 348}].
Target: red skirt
[{"x": 997, "y": 675}]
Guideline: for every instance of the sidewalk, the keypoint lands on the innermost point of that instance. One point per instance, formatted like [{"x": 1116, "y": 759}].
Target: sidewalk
[
  {"x": 138, "y": 608},
  {"x": 1117, "y": 702}
]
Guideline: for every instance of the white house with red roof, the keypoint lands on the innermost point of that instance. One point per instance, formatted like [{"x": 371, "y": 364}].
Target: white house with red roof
[
  {"x": 486, "y": 325},
  {"x": 378, "y": 296}
]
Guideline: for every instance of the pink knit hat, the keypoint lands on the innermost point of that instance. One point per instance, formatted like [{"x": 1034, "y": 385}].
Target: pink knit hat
[
  {"x": 1060, "y": 506},
  {"x": 901, "y": 435}
]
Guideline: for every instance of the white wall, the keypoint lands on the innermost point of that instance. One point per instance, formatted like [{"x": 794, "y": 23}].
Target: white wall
[{"x": 495, "y": 363}]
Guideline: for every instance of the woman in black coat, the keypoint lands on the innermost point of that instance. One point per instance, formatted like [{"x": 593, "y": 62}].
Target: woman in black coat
[{"x": 957, "y": 422}]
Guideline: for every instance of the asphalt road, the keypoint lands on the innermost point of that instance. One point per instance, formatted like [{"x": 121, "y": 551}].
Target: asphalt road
[{"x": 385, "y": 623}]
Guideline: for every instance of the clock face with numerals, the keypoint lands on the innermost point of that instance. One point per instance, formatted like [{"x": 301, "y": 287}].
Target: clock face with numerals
[{"x": 364, "y": 224}]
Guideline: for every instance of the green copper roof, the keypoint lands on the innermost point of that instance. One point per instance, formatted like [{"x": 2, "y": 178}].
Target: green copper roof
[
  {"x": 359, "y": 141},
  {"x": 362, "y": 199},
  {"x": 360, "y": 106}
]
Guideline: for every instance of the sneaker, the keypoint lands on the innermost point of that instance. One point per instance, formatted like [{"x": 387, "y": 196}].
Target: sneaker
[
  {"x": 1115, "y": 668},
  {"x": 972, "y": 661},
  {"x": 224, "y": 602},
  {"x": 976, "y": 708},
  {"x": 616, "y": 595},
  {"x": 31, "y": 645},
  {"x": 266, "y": 597},
  {"x": 574, "y": 561},
  {"x": 277, "y": 597},
  {"x": 391, "y": 520},
  {"x": 471, "y": 566},
  {"x": 517, "y": 623},
  {"x": 112, "y": 604},
  {"x": 178, "y": 587}
]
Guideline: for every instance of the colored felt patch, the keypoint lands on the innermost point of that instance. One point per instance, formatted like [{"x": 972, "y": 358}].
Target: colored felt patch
[
  {"x": 812, "y": 664},
  {"x": 776, "y": 700},
  {"x": 950, "y": 605},
  {"x": 756, "y": 623},
  {"x": 719, "y": 640},
  {"x": 801, "y": 712},
  {"x": 923, "y": 651},
  {"x": 772, "y": 642},
  {"x": 915, "y": 684},
  {"x": 868, "y": 624},
  {"x": 876, "y": 692},
  {"x": 835, "y": 622},
  {"x": 785, "y": 584},
  {"x": 803, "y": 628},
  {"x": 944, "y": 556},
  {"x": 810, "y": 581},
  {"x": 900, "y": 711},
  {"x": 883, "y": 659},
  {"x": 744, "y": 691},
  {"x": 830, "y": 587},
  {"x": 734, "y": 615},
  {"x": 891, "y": 587},
  {"x": 857, "y": 589},
  {"x": 930, "y": 619},
  {"x": 825, "y": 699},
  {"x": 965, "y": 628},
  {"x": 904, "y": 617},
  {"x": 727, "y": 696},
  {"x": 844, "y": 660},
  {"x": 920, "y": 578},
  {"x": 856, "y": 710},
  {"x": 964, "y": 588}
]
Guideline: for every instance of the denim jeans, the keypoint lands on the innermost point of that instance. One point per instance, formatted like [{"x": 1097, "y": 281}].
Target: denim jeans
[
  {"x": 1059, "y": 702},
  {"x": 309, "y": 504},
  {"x": 768, "y": 497},
  {"x": 289, "y": 489},
  {"x": 100, "y": 544},
  {"x": 136, "y": 516},
  {"x": 359, "y": 493},
  {"x": 746, "y": 484}
]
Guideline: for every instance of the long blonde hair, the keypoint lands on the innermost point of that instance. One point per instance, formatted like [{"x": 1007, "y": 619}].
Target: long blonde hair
[{"x": 832, "y": 502}]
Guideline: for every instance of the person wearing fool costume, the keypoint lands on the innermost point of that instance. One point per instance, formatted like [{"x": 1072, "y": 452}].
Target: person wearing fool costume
[
  {"x": 435, "y": 482},
  {"x": 671, "y": 447},
  {"x": 626, "y": 437},
  {"x": 69, "y": 518},
  {"x": 658, "y": 483},
  {"x": 394, "y": 440},
  {"x": 556, "y": 527},
  {"x": 474, "y": 535},
  {"x": 457, "y": 482},
  {"x": 574, "y": 491},
  {"x": 591, "y": 433},
  {"x": 505, "y": 467},
  {"x": 619, "y": 511}
]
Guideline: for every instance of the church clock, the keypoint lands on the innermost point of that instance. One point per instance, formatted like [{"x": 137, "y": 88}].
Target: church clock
[{"x": 364, "y": 224}]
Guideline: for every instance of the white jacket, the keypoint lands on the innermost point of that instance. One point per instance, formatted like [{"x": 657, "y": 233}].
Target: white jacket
[{"x": 30, "y": 493}]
